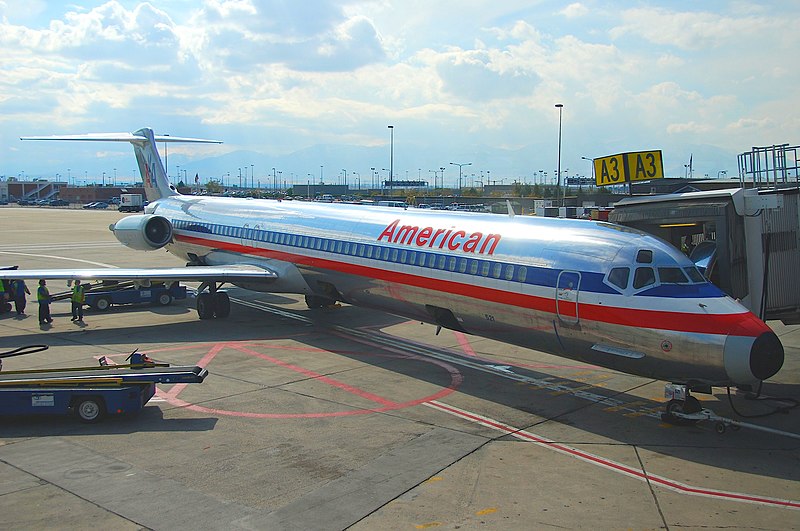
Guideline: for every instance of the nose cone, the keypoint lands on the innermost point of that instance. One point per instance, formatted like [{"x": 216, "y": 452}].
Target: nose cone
[
  {"x": 766, "y": 356},
  {"x": 750, "y": 359}
]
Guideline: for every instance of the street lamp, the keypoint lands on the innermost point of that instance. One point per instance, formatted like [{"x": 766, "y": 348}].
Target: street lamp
[
  {"x": 459, "y": 172},
  {"x": 560, "y": 108},
  {"x": 252, "y": 176},
  {"x": 591, "y": 161},
  {"x": 391, "y": 157}
]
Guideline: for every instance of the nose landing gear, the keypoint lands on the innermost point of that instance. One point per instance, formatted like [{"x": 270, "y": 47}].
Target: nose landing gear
[{"x": 681, "y": 403}]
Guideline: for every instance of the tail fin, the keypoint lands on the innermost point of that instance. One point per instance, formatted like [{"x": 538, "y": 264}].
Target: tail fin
[{"x": 156, "y": 182}]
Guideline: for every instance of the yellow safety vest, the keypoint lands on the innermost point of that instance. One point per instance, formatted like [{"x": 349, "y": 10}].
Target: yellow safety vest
[{"x": 78, "y": 294}]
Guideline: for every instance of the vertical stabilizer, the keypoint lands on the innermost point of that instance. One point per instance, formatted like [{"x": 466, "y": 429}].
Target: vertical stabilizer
[{"x": 154, "y": 177}]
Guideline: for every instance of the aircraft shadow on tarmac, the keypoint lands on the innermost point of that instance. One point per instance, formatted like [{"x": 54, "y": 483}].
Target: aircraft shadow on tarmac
[
  {"x": 560, "y": 399},
  {"x": 149, "y": 419},
  {"x": 563, "y": 400}
]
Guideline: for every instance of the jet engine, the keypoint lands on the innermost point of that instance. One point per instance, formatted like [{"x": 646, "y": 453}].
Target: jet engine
[{"x": 143, "y": 232}]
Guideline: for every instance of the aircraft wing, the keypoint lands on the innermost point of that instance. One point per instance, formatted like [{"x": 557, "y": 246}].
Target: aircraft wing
[{"x": 228, "y": 273}]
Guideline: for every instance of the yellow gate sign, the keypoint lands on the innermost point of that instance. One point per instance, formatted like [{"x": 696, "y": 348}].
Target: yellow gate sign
[{"x": 627, "y": 167}]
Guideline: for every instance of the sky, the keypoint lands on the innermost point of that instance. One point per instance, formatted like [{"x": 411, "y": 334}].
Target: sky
[{"x": 299, "y": 85}]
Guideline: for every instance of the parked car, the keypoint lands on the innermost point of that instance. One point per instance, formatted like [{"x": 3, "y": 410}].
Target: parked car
[
  {"x": 58, "y": 202},
  {"x": 96, "y": 205},
  {"x": 23, "y": 202}
]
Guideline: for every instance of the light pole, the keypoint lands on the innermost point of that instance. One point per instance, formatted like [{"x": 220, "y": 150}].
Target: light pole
[
  {"x": 391, "y": 157},
  {"x": 591, "y": 161},
  {"x": 274, "y": 180},
  {"x": 459, "y": 172},
  {"x": 240, "y": 177},
  {"x": 373, "y": 178},
  {"x": 560, "y": 108},
  {"x": 252, "y": 176}
]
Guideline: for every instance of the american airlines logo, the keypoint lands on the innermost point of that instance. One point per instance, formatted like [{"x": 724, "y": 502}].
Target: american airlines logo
[{"x": 429, "y": 237}]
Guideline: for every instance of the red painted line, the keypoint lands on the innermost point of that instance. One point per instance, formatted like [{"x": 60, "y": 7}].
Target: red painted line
[
  {"x": 744, "y": 324},
  {"x": 614, "y": 465},
  {"x": 464, "y": 343},
  {"x": 172, "y": 397},
  {"x": 319, "y": 377}
]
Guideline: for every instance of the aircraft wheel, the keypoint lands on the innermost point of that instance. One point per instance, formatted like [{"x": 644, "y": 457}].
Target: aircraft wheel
[
  {"x": 102, "y": 304},
  {"x": 165, "y": 299},
  {"x": 205, "y": 306},
  {"x": 688, "y": 406},
  {"x": 89, "y": 409},
  {"x": 222, "y": 305}
]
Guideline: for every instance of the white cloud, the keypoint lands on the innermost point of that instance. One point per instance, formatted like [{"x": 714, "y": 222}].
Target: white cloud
[{"x": 575, "y": 10}]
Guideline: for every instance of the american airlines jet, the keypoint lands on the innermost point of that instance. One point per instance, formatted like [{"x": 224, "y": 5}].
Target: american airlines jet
[{"x": 590, "y": 291}]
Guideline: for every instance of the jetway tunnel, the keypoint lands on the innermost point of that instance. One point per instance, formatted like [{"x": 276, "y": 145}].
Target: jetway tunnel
[{"x": 746, "y": 241}]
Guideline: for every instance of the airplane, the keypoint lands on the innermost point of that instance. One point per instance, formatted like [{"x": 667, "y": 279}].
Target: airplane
[{"x": 590, "y": 291}]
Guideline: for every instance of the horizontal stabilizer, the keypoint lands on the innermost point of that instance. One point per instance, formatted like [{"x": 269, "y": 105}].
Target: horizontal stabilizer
[{"x": 122, "y": 137}]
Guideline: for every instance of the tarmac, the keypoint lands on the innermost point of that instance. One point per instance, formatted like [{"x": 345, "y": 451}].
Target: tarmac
[{"x": 345, "y": 418}]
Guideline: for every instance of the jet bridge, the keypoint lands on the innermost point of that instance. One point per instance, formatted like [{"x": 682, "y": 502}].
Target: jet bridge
[{"x": 746, "y": 241}]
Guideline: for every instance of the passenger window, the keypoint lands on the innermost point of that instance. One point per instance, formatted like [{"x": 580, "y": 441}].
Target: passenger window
[
  {"x": 473, "y": 267},
  {"x": 451, "y": 263},
  {"x": 403, "y": 256},
  {"x": 440, "y": 262},
  {"x": 672, "y": 275},
  {"x": 394, "y": 255},
  {"x": 496, "y": 269},
  {"x": 385, "y": 253},
  {"x": 644, "y": 276},
  {"x": 369, "y": 251},
  {"x": 431, "y": 260},
  {"x": 522, "y": 274},
  {"x": 485, "y": 269},
  {"x": 644, "y": 256},
  {"x": 619, "y": 277},
  {"x": 462, "y": 265}
]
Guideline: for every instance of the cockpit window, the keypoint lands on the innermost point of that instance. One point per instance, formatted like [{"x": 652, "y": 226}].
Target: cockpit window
[
  {"x": 672, "y": 275},
  {"x": 644, "y": 276},
  {"x": 644, "y": 256},
  {"x": 619, "y": 277},
  {"x": 695, "y": 275}
]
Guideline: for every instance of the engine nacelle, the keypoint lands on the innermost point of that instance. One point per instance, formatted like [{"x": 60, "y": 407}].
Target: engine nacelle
[{"x": 143, "y": 232}]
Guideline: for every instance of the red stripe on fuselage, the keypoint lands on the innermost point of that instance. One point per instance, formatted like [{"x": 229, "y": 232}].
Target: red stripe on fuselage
[{"x": 741, "y": 324}]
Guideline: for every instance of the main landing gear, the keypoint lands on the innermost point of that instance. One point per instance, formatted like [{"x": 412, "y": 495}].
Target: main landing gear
[{"x": 212, "y": 304}]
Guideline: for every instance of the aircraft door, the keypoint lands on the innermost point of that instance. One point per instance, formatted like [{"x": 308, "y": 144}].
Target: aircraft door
[
  {"x": 567, "y": 290},
  {"x": 245, "y": 230}
]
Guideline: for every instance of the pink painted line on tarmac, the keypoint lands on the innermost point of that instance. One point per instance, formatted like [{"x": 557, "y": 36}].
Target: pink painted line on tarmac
[
  {"x": 455, "y": 380},
  {"x": 318, "y": 377},
  {"x": 464, "y": 343},
  {"x": 609, "y": 464}
]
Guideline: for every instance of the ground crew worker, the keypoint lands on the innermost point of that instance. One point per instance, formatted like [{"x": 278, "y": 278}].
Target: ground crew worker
[
  {"x": 43, "y": 298},
  {"x": 78, "y": 298},
  {"x": 18, "y": 290}
]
